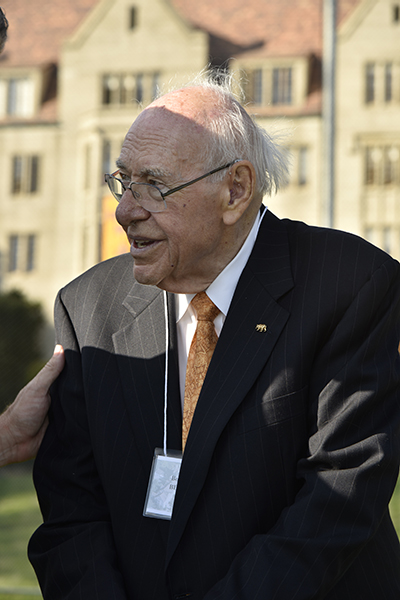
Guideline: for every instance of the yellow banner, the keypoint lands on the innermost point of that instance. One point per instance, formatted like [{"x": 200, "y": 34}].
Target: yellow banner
[{"x": 113, "y": 237}]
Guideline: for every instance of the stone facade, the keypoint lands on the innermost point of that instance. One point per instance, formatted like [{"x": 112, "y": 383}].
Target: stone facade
[{"x": 69, "y": 92}]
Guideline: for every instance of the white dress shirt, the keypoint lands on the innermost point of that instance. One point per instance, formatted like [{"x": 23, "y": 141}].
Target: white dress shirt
[{"x": 220, "y": 292}]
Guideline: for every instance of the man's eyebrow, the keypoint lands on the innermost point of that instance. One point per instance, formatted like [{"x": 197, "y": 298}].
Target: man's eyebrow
[
  {"x": 155, "y": 172},
  {"x": 120, "y": 164},
  {"x": 146, "y": 171}
]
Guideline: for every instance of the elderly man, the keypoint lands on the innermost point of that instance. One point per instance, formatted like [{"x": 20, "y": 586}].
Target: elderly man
[{"x": 265, "y": 349}]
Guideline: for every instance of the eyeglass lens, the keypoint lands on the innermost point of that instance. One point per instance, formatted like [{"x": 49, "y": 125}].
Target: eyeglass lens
[{"x": 145, "y": 194}]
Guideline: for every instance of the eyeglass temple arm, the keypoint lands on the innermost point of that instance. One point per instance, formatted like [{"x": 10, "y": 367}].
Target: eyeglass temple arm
[{"x": 180, "y": 187}]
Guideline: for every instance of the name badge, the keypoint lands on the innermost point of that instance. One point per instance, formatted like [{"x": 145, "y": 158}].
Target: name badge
[{"x": 162, "y": 486}]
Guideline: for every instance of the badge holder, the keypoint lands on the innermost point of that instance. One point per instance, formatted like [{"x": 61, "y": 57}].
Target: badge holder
[{"x": 162, "y": 486}]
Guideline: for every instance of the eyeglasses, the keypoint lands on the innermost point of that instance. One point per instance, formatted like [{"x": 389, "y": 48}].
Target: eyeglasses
[{"x": 147, "y": 195}]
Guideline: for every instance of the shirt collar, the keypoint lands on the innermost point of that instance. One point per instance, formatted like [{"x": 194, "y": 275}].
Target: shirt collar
[{"x": 223, "y": 287}]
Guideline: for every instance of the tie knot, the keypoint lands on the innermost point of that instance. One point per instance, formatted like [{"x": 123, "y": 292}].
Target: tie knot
[{"x": 204, "y": 307}]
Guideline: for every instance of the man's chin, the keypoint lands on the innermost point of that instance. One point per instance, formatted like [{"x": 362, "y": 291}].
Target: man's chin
[
  {"x": 167, "y": 281},
  {"x": 163, "y": 283},
  {"x": 141, "y": 277},
  {"x": 146, "y": 276}
]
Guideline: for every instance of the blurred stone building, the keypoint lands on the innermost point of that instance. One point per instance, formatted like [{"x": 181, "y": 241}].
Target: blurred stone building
[{"x": 75, "y": 73}]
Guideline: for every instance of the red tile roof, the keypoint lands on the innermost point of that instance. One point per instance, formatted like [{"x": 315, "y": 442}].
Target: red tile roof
[
  {"x": 37, "y": 28},
  {"x": 286, "y": 27}
]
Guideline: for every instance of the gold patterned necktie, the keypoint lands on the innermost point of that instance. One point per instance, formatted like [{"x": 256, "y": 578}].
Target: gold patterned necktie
[{"x": 200, "y": 353}]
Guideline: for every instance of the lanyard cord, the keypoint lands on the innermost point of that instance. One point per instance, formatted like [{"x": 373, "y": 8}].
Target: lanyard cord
[{"x": 166, "y": 371}]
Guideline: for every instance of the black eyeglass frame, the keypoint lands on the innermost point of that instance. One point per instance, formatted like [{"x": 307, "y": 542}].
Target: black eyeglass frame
[{"x": 109, "y": 176}]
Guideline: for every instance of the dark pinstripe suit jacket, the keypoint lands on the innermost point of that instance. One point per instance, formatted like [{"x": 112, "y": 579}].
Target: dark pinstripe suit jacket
[{"x": 292, "y": 455}]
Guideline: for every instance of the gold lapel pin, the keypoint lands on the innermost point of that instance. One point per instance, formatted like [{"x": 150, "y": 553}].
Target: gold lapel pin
[{"x": 261, "y": 327}]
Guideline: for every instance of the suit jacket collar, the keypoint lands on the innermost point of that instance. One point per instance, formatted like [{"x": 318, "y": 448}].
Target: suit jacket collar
[{"x": 140, "y": 351}]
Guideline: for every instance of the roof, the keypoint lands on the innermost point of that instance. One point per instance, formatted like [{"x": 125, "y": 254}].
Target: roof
[
  {"x": 37, "y": 28},
  {"x": 280, "y": 27}
]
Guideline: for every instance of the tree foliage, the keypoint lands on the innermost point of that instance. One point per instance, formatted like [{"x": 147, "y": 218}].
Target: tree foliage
[{"x": 21, "y": 322}]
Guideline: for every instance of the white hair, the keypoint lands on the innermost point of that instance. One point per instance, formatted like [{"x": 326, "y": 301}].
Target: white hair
[{"x": 236, "y": 136}]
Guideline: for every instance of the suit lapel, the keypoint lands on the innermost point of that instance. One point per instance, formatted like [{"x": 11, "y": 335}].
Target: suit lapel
[
  {"x": 140, "y": 355},
  {"x": 253, "y": 325}
]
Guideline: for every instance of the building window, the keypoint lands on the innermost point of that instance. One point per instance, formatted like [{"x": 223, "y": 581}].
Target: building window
[
  {"x": 124, "y": 89},
  {"x": 391, "y": 165},
  {"x": 388, "y": 82},
  {"x": 139, "y": 88},
  {"x": 22, "y": 253},
  {"x": 109, "y": 87},
  {"x": 388, "y": 167},
  {"x": 381, "y": 80},
  {"x": 386, "y": 239},
  {"x": 282, "y": 86},
  {"x": 370, "y": 175},
  {"x": 302, "y": 166},
  {"x": 382, "y": 165},
  {"x": 257, "y": 86},
  {"x": 30, "y": 252},
  {"x": 25, "y": 174},
  {"x": 13, "y": 253},
  {"x": 270, "y": 86},
  {"x": 369, "y": 83},
  {"x": 16, "y": 97},
  {"x": 299, "y": 165},
  {"x": 106, "y": 159},
  {"x": 132, "y": 17},
  {"x": 254, "y": 86},
  {"x": 87, "y": 163},
  {"x": 155, "y": 86}
]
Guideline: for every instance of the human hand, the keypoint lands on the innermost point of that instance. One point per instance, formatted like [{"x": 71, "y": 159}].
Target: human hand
[{"x": 23, "y": 424}]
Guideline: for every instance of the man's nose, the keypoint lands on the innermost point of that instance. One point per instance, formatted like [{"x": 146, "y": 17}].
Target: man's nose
[{"x": 129, "y": 210}]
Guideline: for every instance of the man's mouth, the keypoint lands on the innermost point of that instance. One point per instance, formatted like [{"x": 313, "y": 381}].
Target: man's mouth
[{"x": 142, "y": 243}]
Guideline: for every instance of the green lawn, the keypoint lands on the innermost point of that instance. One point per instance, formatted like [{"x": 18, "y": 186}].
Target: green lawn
[
  {"x": 19, "y": 517},
  {"x": 12, "y": 596},
  {"x": 395, "y": 508}
]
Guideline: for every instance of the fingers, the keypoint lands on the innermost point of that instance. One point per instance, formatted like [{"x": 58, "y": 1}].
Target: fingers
[
  {"x": 57, "y": 361},
  {"x": 51, "y": 370},
  {"x": 23, "y": 424}
]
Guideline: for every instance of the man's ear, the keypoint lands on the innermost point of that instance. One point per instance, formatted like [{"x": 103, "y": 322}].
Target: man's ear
[{"x": 242, "y": 179}]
